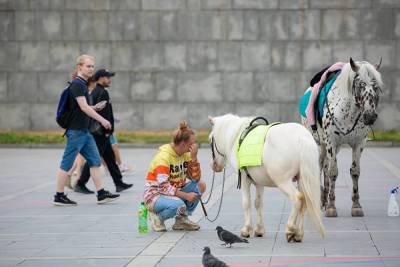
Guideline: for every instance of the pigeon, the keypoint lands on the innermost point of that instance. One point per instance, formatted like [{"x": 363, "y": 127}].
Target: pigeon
[
  {"x": 228, "y": 237},
  {"x": 210, "y": 261}
]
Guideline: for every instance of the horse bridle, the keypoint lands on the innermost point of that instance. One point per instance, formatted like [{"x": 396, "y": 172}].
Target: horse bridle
[
  {"x": 213, "y": 144},
  {"x": 358, "y": 100}
]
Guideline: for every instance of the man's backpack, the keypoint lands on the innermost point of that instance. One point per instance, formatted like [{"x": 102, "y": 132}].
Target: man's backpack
[{"x": 64, "y": 113}]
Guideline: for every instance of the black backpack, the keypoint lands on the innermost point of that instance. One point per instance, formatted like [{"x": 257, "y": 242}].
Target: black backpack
[{"x": 64, "y": 113}]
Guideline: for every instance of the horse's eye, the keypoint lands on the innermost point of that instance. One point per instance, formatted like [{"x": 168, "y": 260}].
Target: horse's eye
[{"x": 363, "y": 84}]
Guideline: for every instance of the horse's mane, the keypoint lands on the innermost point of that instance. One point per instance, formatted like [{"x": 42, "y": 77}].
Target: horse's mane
[
  {"x": 367, "y": 72},
  {"x": 231, "y": 124}
]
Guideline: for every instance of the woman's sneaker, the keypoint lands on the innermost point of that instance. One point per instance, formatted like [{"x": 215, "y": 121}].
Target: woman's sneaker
[
  {"x": 106, "y": 196},
  {"x": 63, "y": 200},
  {"x": 156, "y": 223},
  {"x": 183, "y": 223}
]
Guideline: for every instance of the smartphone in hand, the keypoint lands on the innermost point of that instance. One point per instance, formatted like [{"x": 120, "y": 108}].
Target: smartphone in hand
[{"x": 99, "y": 106}]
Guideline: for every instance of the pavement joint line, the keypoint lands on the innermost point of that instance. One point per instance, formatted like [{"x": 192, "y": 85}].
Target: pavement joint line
[
  {"x": 139, "y": 260},
  {"x": 360, "y": 257},
  {"x": 372, "y": 239},
  {"x": 277, "y": 231},
  {"x": 388, "y": 165},
  {"x": 65, "y": 233},
  {"x": 207, "y": 231},
  {"x": 66, "y": 258},
  {"x": 26, "y": 191},
  {"x": 240, "y": 255},
  {"x": 97, "y": 215},
  {"x": 61, "y": 215}
]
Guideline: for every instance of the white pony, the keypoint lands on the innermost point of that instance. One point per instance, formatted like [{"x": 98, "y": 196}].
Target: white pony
[{"x": 290, "y": 154}]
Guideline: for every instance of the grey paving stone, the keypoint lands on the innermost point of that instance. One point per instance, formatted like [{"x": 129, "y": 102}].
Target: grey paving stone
[
  {"x": 33, "y": 233},
  {"x": 8, "y": 263},
  {"x": 76, "y": 262}
]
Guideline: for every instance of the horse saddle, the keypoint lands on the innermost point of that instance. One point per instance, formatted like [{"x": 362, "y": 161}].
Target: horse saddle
[
  {"x": 250, "y": 146},
  {"x": 321, "y": 98}
]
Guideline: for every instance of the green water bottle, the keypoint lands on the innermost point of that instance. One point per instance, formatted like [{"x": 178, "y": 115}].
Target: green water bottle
[{"x": 142, "y": 227}]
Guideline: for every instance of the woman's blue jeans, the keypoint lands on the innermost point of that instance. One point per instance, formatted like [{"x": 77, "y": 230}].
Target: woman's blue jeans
[{"x": 170, "y": 206}]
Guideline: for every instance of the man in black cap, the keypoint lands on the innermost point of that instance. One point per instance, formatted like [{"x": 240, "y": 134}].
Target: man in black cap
[{"x": 101, "y": 135}]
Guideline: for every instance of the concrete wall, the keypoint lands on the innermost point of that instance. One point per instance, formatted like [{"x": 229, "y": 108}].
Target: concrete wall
[{"x": 186, "y": 59}]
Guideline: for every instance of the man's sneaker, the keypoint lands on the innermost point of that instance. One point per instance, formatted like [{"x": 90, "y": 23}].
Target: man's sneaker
[
  {"x": 183, "y": 223},
  {"x": 106, "y": 197},
  {"x": 82, "y": 189},
  {"x": 63, "y": 201},
  {"x": 156, "y": 223},
  {"x": 123, "y": 186}
]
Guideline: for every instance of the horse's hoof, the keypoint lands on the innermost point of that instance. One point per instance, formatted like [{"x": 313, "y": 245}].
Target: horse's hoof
[
  {"x": 299, "y": 237},
  {"x": 246, "y": 231},
  {"x": 290, "y": 237},
  {"x": 331, "y": 212},
  {"x": 259, "y": 231},
  {"x": 258, "y": 234},
  {"x": 245, "y": 235},
  {"x": 357, "y": 212}
]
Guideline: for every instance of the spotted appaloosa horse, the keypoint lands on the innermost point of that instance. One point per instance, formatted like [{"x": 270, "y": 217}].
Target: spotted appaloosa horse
[{"x": 349, "y": 110}]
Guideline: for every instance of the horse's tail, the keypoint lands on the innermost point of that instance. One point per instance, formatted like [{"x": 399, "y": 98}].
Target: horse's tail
[{"x": 309, "y": 182}]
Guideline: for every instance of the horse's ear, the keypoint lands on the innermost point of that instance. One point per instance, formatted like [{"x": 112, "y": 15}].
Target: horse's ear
[
  {"x": 211, "y": 120},
  {"x": 378, "y": 66},
  {"x": 354, "y": 66}
]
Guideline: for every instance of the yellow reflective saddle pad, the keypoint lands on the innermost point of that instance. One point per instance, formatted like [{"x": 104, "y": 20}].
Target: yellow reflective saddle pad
[{"x": 250, "y": 152}]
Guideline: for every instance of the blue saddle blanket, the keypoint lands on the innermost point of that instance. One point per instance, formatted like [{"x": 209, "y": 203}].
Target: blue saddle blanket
[{"x": 321, "y": 97}]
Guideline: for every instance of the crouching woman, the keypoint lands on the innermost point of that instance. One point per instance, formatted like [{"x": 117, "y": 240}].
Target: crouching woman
[{"x": 173, "y": 185}]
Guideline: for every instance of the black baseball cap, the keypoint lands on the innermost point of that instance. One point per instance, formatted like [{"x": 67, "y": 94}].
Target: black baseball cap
[{"x": 103, "y": 73}]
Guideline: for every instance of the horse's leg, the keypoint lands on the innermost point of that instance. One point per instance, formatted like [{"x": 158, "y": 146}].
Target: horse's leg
[
  {"x": 292, "y": 230},
  {"x": 247, "y": 229},
  {"x": 356, "y": 210},
  {"x": 300, "y": 218},
  {"x": 258, "y": 203},
  {"x": 331, "y": 172},
  {"x": 323, "y": 163}
]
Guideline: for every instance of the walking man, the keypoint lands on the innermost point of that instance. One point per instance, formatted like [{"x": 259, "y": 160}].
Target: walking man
[
  {"x": 79, "y": 139},
  {"x": 102, "y": 136}
]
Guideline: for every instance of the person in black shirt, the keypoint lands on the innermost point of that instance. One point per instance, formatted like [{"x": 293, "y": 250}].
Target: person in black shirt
[
  {"x": 79, "y": 139},
  {"x": 99, "y": 94}
]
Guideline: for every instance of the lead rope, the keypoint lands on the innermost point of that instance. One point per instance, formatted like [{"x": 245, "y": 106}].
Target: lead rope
[
  {"x": 220, "y": 202},
  {"x": 373, "y": 134},
  {"x": 211, "y": 190}
]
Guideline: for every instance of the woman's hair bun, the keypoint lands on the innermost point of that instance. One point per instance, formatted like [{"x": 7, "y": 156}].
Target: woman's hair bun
[{"x": 183, "y": 126}]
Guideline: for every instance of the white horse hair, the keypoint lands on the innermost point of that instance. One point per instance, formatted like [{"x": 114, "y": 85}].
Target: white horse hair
[
  {"x": 346, "y": 78},
  {"x": 290, "y": 154}
]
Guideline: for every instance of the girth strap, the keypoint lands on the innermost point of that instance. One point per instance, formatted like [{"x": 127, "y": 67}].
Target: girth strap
[{"x": 239, "y": 185}]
